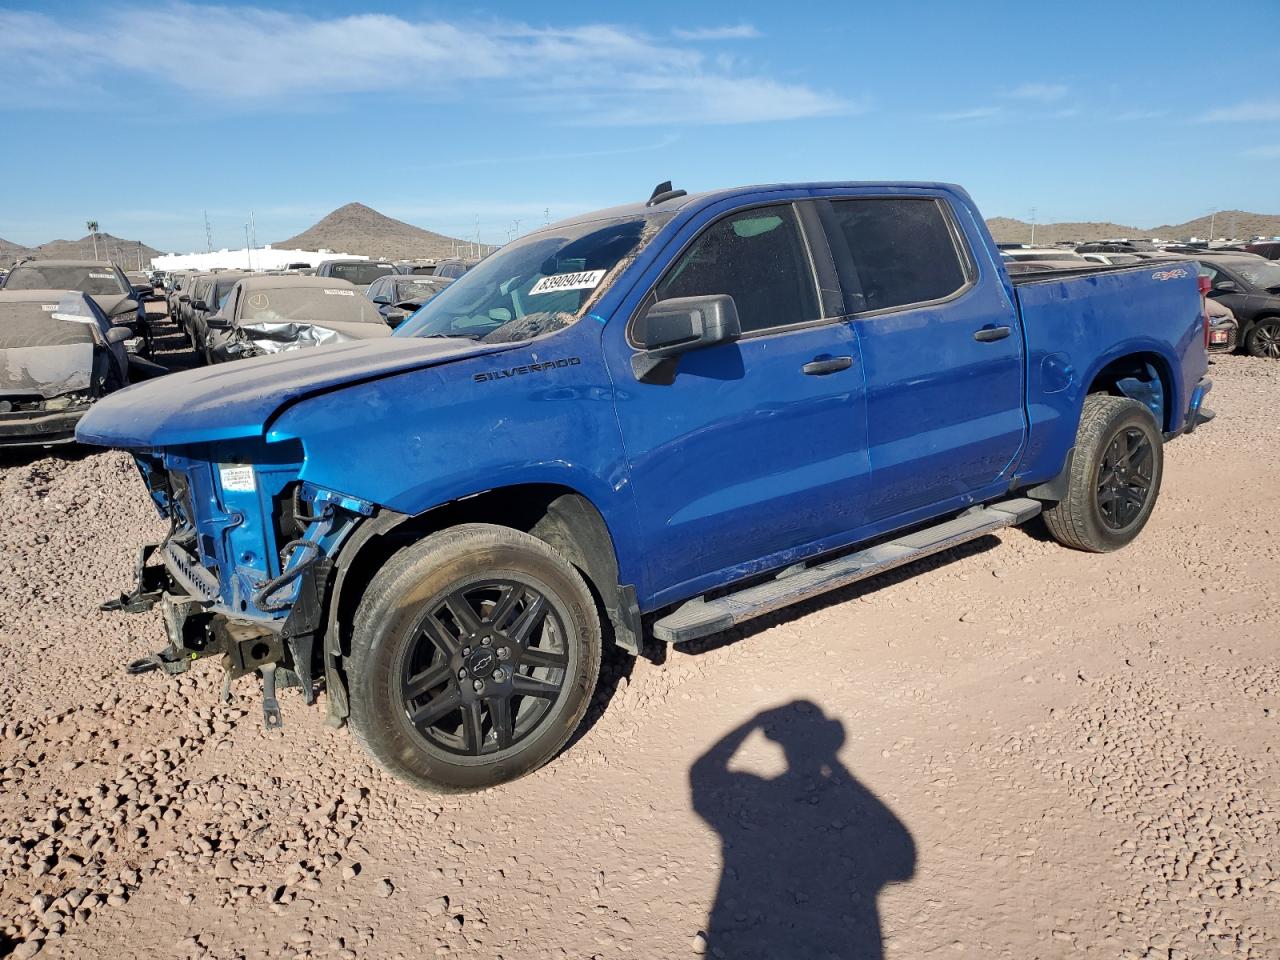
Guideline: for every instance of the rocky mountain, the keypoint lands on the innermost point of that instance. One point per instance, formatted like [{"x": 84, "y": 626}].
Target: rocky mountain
[
  {"x": 358, "y": 229},
  {"x": 10, "y": 251},
  {"x": 123, "y": 252},
  {"x": 1226, "y": 223}
]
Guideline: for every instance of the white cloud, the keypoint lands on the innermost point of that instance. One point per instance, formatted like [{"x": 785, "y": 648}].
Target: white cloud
[
  {"x": 1269, "y": 152},
  {"x": 742, "y": 31},
  {"x": 1039, "y": 92},
  {"x": 976, "y": 113},
  {"x": 1132, "y": 116},
  {"x": 589, "y": 74},
  {"x": 1250, "y": 111}
]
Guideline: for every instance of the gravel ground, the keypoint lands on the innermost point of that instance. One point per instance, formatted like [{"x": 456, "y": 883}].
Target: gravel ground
[{"x": 1010, "y": 750}]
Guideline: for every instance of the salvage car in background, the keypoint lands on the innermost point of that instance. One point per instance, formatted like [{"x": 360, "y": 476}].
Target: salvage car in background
[
  {"x": 213, "y": 294},
  {"x": 58, "y": 354},
  {"x": 1250, "y": 287},
  {"x": 103, "y": 281},
  {"x": 1115, "y": 259},
  {"x": 398, "y": 295},
  {"x": 1224, "y": 331},
  {"x": 275, "y": 314},
  {"x": 359, "y": 272}
]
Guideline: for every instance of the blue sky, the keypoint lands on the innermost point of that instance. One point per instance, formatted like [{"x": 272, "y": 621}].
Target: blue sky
[{"x": 143, "y": 115}]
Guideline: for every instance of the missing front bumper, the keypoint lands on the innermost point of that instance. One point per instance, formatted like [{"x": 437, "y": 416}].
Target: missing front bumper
[{"x": 195, "y": 632}]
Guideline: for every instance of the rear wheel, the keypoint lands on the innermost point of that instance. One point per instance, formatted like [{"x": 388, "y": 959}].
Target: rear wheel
[
  {"x": 474, "y": 656},
  {"x": 1264, "y": 339},
  {"x": 1115, "y": 476}
]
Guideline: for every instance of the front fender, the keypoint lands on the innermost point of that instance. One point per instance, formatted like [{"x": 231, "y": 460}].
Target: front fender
[{"x": 417, "y": 440}]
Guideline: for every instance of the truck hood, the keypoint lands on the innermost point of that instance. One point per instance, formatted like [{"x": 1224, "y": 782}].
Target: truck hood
[{"x": 238, "y": 399}]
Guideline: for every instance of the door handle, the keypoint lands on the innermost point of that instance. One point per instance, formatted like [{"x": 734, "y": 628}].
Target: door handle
[
  {"x": 821, "y": 367},
  {"x": 989, "y": 334}
]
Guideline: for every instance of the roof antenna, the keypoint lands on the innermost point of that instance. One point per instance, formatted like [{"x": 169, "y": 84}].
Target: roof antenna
[{"x": 663, "y": 192}]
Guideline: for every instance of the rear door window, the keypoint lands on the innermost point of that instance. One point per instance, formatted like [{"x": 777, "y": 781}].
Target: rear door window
[
  {"x": 894, "y": 251},
  {"x": 758, "y": 257}
]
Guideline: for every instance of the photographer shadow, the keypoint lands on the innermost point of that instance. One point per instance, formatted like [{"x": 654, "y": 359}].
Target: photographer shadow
[{"x": 805, "y": 853}]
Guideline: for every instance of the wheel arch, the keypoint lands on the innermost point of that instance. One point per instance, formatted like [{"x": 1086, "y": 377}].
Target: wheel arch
[
  {"x": 1144, "y": 375},
  {"x": 1247, "y": 326},
  {"x": 558, "y": 515}
]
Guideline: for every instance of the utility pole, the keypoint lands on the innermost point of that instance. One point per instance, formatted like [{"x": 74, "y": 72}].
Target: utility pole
[
  {"x": 208, "y": 234},
  {"x": 248, "y": 251},
  {"x": 93, "y": 231},
  {"x": 546, "y": 216},
  {"x": 1033, "y": 226},
  {"x": 1213, "y": 220}
]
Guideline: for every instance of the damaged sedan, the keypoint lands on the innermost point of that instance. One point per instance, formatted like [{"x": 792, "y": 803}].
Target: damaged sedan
[
  {"x": 100, "y": 279},
  {"x": 58, "y": 354},
  {"x": 269, "y": 314}
]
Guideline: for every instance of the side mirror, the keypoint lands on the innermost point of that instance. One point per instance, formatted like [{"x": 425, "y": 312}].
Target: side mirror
[
  {"x": 123, "y": 307},
  {"x": 382, "y": 300},
  {"x": 217, "y": 322},
  {"x": 1226, "y": 286},
  {"x": 199, "y": 305},
  {"x": 672, "y": 327},
  {"x": 119, "y": 335},
  {"x": 395, "y": 318},
  {"x": 185, "y": 298},
  {"x": 143, "y": 289}
]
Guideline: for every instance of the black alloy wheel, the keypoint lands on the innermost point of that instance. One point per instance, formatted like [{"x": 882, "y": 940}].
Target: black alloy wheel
[
  {"x": 485, "y": 667},
  {"x": 474, "y": 655},
  {"x": 1264, "y": 339},
  {"x": 1124, "y": 478}
]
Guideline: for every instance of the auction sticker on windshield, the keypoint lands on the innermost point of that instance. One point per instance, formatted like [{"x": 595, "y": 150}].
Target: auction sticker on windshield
[
  {"x": 236, "y": 478},
  {"x": 339, "y": 293},
  {"x": 585, "y": 280}
]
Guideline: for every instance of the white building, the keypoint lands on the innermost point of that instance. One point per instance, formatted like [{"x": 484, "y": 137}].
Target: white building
[{"x": 257, "y": 258}]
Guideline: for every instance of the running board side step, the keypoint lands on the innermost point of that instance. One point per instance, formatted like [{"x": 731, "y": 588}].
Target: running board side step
[{"x": 700, "y": 617}]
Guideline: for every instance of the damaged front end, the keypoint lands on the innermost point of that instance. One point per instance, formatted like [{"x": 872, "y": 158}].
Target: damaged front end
[{"x": 243, "y": 572}]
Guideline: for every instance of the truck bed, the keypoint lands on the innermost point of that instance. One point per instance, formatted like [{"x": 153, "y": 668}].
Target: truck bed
[{"x": 1075, "y": 322}]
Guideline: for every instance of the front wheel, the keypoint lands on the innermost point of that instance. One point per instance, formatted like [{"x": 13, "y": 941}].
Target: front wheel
[
  {"x": 1264, "y": 339},
  {"x": 1115, "y": 476},
  {"x": 474, "y": 656}
]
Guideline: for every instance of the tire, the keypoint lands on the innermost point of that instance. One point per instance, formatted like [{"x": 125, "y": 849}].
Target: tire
[
  {"x": 1098, "y": 513},
  {"x": 1264, "y": 339},
  {"x": 409, "y": 645}
]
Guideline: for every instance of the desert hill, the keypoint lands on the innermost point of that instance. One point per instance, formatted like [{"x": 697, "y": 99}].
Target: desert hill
[
  {"x": 358, "y": 229},
  {"x": 1238, "y": 224}
]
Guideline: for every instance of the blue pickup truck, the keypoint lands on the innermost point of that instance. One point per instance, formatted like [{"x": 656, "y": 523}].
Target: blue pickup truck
[{"x": 652, "y": 422}]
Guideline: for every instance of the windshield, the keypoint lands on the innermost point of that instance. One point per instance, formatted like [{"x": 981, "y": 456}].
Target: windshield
[
  {"x": 535, "y": 285},
  {"x": 1261, "y": 273},
  {"x": 96, "y": 281},
  {"x": 309, "y": 305},
  {"x": 361, "y": 274},
  {"x": 222, "y": 289},
  {"x": 418, "y": 289}
]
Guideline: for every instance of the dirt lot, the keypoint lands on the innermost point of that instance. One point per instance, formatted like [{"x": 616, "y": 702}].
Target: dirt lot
[{"x": 1011, "y": 750}]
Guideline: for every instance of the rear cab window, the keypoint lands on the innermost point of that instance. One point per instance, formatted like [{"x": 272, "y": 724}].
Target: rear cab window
[{"x": 895, "y": 252}]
